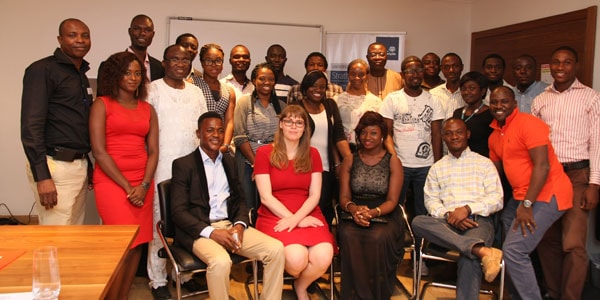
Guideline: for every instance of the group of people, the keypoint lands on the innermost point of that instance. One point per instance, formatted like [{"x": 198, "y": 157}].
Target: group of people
[{"x": 466, "y": 148}]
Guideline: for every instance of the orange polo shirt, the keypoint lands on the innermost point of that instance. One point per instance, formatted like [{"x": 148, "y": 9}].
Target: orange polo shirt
[{"x": 510, "y": 145}]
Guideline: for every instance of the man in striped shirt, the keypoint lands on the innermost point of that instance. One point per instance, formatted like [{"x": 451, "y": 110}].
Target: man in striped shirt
[{"x": 572, "y": 111}]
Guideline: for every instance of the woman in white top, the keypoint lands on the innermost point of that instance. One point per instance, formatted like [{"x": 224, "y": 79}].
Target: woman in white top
[
  {"x": 356, "y": 100},
  {"x": 327, "y": 135}
]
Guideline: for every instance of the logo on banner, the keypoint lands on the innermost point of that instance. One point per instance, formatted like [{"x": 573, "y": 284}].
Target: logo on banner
[
  {"x": 339, "y": 77},
  {"x": 392, "y": 44}
]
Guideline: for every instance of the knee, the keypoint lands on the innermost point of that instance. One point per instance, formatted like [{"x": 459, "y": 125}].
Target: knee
[
  {"x": 295, "y": 263},
  {"x": 321, "y": 257},
  {"x": 220, "y": 262}
]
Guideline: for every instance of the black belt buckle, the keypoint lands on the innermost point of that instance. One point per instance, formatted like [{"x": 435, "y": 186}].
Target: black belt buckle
[
  {"x": 576, "y": 165},
  {"x": 64, "y": 154}
]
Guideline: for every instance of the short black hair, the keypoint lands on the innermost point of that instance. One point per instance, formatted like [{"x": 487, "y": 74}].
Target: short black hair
[
  {"x": 208, "y": 115},
  {"x": 567, "y": 48},
  {"x": 451, "y": 54},
  {"x": 184, "y": 35},
  {"x": 529, "y": 57},
  {"x": 475, "y": 76},
  {"x": 408, "y": 60},
  {"x": 494, "y": 55},
  {"x": 313, "y": 54},
  {"x": 169, "y": 48}
]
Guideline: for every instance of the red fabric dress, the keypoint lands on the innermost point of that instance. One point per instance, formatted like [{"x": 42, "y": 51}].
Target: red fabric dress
[
  {"x": 291, "y": 189},
  {"x": 126, "y": 131}
]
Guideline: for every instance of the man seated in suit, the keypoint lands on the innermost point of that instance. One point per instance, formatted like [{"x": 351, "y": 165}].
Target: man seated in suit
[
  {"x": 462, "y": 191},
  {"x": 209, "y": 210}
]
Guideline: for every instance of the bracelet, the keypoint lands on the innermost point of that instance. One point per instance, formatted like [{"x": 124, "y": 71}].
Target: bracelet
[
  {"x": 347, "y": 204},
  {"x": 378, "y": 211},
  {"x": 145, "y": 185},
  {"x": 468, "y": 209},
  {"x": 337, "y": 164}
]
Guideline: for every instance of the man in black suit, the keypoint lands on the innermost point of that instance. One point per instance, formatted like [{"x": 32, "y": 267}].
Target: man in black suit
[
  {"x": 141, "y": 33},
  {"x": 210, "y": 214}
]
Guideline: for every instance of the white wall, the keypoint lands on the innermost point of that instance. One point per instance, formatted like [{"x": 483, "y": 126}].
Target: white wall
[{"x": 28, "y": 32}]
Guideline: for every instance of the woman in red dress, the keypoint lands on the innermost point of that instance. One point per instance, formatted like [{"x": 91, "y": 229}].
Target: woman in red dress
[
  {"x": 124, "y": 138},
  {"x": 288, "y": 178}
]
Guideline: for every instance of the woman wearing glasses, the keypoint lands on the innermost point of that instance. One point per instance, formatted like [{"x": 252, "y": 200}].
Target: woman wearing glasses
[
  {"x": 288, "y": 178},
  {"x": 256, "y": 118},
  {"x": 326, "y": 135},
  {"x": 219, "y": 97}
]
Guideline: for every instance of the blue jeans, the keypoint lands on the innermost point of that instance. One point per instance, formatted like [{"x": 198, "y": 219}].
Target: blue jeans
[
  {"x": 439, "y": 232},
  {"x": 518, "y": 247},
  {"x": 415, "y": 177}
]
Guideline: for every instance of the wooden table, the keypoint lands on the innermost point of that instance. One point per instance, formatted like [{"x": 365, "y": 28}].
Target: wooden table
[{"x": 88, "y": 256}]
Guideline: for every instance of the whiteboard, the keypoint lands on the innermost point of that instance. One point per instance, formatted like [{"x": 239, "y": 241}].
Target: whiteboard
[{"x": 298, "y": 40}]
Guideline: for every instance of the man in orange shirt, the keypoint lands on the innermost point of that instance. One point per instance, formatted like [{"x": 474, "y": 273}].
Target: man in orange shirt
[{"x": 520, "y": 146}]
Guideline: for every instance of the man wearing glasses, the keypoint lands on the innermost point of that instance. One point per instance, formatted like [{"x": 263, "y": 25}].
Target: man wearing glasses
[
  {"x": 381, "y": 81},
  {"x": 178, "y": 104},
  {"x": 416, "y": 136}
]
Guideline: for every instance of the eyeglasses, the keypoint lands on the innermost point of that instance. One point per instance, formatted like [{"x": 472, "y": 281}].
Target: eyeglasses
[
  {"x": 413, "y": 71},
  {"x": 175, "y": 60},
  {"x": 289, "y": 123},
  {"x": 210, "y": 62}
]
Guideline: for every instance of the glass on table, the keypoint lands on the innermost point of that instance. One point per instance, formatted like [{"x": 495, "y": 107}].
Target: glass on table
[{"x": 46, "y": 276}]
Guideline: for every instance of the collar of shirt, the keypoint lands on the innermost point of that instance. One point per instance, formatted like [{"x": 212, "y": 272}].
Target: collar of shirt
[
  {"x": 206, "y": 158},
  {"x": 64, "y": 59},
  {"x": 462, "y": 154},
  {"x": 575, "y": 85}
]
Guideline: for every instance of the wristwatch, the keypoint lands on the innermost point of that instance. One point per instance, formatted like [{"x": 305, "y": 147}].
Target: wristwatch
[
  {"x": 527, "y": 203},
  {"x": 145, "y": 185}
]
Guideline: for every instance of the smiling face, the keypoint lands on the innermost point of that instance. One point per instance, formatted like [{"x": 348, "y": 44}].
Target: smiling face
[
  {"x": 264, "y": 82},
  {"x": 413, "y": 75},
  {"x": 563, "y": 68},
  {"x": 502, "y": 104},
  {"x": 131, "y": 79},
  {"x": 370, "y": 137},
  {"x": 211, "y": 134},
  {"x": 456, "y": 136},
  {"x": 74, "y": 39},
  {"x": 316, "y": 92},
  {"x": 141, "y": 33},
  {"x": 377, "y": 56},
  {"x": 431, "y": 64},
  {"x": 239, "y": 59},
  {"x": 357, "y": 76},
  {"x": 177, "y": 63}
]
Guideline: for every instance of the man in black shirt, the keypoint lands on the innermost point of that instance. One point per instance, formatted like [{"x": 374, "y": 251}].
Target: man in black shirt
[{"x": 54, "y": 126}]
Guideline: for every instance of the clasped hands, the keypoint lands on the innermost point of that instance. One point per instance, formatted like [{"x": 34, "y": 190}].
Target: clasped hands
[
  {"x": 225, "y": 237},
  {"x": 459, "y": 218},
  {"x": 136, "y": 195},
  {"x": 361, "y": 215},
  {"x": 293, "y": 221}
]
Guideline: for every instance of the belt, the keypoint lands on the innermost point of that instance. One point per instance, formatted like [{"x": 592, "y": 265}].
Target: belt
[
  {"x": 65, "y": 154},
  {"x": 576, "y": 165},
  {"x": 261, "y": 142}
]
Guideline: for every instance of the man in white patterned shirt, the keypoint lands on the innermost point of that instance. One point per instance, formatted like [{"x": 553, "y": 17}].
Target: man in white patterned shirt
[
  {"x": 572, "y": 111},
  {"x": 462, "y": 191}
]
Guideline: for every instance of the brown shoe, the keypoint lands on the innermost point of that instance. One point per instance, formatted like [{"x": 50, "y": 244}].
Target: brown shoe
[{"x": 490, "y": 264}]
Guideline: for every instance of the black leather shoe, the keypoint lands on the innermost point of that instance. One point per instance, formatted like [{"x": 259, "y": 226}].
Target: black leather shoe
[
  {"x": 161, "y": 293},
  {"x": 193, "y": 286}
]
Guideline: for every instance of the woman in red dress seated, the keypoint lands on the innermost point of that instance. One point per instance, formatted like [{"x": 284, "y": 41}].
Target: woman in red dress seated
[{"x": 288, "y": 178}]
